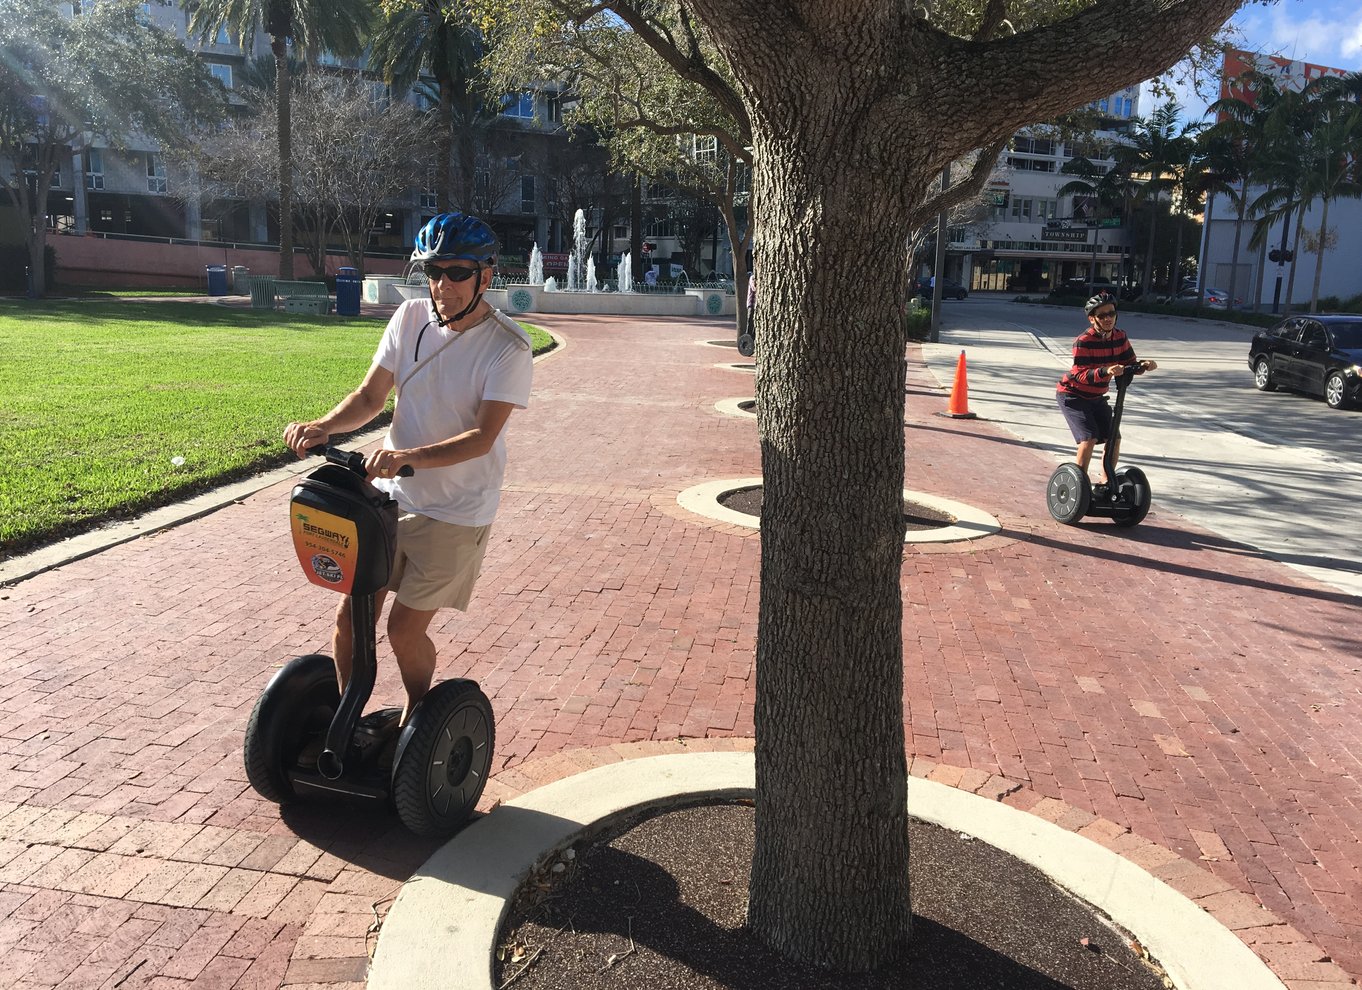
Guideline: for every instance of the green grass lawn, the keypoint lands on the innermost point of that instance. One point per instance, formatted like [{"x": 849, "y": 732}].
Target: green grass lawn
[{"x": 100, "y": 398}]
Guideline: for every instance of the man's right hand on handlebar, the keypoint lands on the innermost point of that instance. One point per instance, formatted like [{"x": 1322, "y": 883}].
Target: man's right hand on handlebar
[{"x": 302, "y": 437}]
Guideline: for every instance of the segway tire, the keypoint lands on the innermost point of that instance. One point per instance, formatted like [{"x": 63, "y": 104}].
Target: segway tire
[
  {"x": 1133, "y": 497},
  {"x": 1068, "y": 494},
  {"x": 444, "y": 758},
  {"x": 295, "y": 708},
  {"x": 747, "y": 344}
]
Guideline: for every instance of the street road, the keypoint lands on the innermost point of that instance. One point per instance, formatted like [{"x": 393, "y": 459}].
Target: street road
[{"x": 1277, "y": 472}]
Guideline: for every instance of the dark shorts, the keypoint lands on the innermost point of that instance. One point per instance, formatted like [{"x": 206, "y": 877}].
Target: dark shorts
[{"x": 1088, "y": 419}]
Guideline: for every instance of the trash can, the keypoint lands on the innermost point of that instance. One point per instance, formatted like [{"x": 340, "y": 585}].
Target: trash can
[
  {"x": 240, "y": 284},
  {"x": 217, "y": 280},
  {"x": 347, "y": 292},
  {"x": 262, "y": 291}
]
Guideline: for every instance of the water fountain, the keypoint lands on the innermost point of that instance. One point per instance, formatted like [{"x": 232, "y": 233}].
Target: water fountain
[
  {"x": 577, "y": 273},
  {"x": 581, "y": 291}
]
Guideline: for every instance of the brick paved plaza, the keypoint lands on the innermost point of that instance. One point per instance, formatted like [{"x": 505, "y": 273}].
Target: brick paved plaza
[{"x": 1173, "y": 695}]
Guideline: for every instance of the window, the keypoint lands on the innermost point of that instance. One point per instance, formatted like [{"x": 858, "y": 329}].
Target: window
[
  {"x": 156, "y": 173},
  {"x": 223, "y": 37},
  {"x": 144, "y": 14},
  {"x": 94, "y": 169},
  {"x": 1030, "y": 164},
  {"x": 428, "y": 200},
  {"x": 527, "y": 194},
  {"x": 554, "y": 102},
  {"x": 329, "y": 58},
  {"x": 706, "y": 148},
  {"x": 518, "y": 105},
  {"x": 1033, "y": 146},
  {"x": 661, "y": 227},
  {"x": 222, "y": 73},
  {"x": 1313, "y": 336},
  {"x": 56, "y": 177}
]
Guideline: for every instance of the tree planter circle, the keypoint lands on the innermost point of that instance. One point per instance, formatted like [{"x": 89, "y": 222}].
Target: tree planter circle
[
  {"x": 746, "y": 408},
  {"x": 731, "y": 344},
  {"x": 748, "y": 367},
  {"x": 928, "y": 518}
]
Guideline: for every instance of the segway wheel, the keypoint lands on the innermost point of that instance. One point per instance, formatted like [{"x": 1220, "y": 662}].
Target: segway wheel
[
  {"x": 1132, "y": 497},
  {"x": 747, "y": 344},
  {"x": 444, "y": 758},
  {"x": 289, "y": 719},
  {"x": 1068, "y": 494}
]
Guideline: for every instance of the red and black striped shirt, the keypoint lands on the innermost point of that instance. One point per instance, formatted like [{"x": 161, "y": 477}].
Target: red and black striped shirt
[{"x": 1093, "y": 353}]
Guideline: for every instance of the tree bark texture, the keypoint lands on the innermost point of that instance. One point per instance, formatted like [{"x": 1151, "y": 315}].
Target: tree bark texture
[
  {"x": 831, "y": 862},
  {"x": 283, "y": 88},
  {"x": 855, "y": 107}
]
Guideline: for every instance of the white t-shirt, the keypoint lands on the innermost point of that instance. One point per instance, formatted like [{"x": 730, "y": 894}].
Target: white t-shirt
[{"x": 491, "y": 360}]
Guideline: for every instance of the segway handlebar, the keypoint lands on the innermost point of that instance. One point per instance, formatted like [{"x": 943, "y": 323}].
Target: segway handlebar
[{"x": 353, "y": 460}]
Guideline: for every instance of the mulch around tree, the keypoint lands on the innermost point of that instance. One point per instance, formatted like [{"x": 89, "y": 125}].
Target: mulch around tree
[
  {"x": 659, "y": 904},
  {"x": 915, "y": 516}
]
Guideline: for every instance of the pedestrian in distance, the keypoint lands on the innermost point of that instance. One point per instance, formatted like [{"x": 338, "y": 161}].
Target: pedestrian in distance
[
  {"x": 459, "y": 368},
  {"x": 1100, "y": 354}
]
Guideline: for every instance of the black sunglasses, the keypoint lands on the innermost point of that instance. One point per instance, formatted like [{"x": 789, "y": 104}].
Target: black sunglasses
[
  {"x": 1108, "y": 315},
  {"x": 436, "y": 272}
]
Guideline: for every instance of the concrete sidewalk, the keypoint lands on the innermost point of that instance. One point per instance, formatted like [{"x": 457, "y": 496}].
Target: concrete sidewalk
[{"x": 1188, "y": 705}]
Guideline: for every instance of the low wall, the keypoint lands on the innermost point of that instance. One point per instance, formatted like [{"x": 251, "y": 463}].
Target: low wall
[
  {"x": 516, "y": 299},
  {"x": 89, "y": 259}
]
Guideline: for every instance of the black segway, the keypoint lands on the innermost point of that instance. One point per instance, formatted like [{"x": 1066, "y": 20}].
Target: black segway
[
  {"x": 1125, "y": 500},
  {"x": 305, "y": 738}
]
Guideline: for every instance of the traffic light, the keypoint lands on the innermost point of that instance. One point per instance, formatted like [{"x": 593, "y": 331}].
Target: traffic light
[
  {"x": 1275, "y": 255},
  {"x": 1288, "y": 255}
]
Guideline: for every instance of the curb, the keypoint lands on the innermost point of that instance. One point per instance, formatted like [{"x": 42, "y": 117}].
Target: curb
[{"x": 470, "y": 883}]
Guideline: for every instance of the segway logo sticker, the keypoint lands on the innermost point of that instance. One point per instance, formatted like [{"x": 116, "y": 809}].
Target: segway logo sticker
[
  {"x": 327, "y": 547},
  {"x": 327, "y": 569}
]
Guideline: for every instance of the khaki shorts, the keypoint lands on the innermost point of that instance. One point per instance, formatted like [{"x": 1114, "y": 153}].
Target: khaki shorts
[{"x": 437, "y": 563}]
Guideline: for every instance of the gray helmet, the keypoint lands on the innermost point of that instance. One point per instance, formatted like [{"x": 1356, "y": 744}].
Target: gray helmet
[{"x": 1098, "y": 301}]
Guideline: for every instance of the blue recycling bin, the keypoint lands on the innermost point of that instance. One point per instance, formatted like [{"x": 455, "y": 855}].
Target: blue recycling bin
[
  {"x": 217, "y": 280},
  {"x": 347, "y": 292}
]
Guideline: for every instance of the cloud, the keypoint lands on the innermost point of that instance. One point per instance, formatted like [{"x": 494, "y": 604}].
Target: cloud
[{"x": 1330, "y": 34}]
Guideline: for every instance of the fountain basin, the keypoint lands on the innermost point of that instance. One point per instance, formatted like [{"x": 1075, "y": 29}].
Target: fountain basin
[{"x": 693, "y": 302}]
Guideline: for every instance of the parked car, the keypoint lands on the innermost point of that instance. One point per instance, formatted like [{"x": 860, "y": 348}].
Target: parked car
[
  {"x": 1212, "y": 298},
  {"x": 1079, "y": 288},
  {"x": 950, "y": 289},
  {"x": 1315, "y": 354}
]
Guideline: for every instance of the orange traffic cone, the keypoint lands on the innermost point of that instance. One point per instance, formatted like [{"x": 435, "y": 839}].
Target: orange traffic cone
[{"x": 958, "y": 407}]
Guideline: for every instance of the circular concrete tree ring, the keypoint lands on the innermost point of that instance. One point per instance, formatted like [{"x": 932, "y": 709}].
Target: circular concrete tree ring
[
  {"x": 731, "y": 345},
  {"x": 970, "y": 523},
  {"x": 748, "y": 368},
  {"x": 738, "y": 407},
  {"x": 446, "y": 918}
]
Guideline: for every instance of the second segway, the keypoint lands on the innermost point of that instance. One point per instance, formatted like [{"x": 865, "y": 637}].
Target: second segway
[
  {"x": 1125, "y": 500},
  {"x": 306, "y": 738}
]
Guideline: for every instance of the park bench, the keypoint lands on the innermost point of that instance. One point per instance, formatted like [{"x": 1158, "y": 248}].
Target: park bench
[{"x": 303, "y": 297}]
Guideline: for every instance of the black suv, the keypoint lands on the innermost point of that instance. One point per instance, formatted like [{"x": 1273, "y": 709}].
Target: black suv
[{"x": 1316, "y": 354}]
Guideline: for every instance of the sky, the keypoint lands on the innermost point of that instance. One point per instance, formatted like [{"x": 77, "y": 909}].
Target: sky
[{"x": 1324, "y": 32}]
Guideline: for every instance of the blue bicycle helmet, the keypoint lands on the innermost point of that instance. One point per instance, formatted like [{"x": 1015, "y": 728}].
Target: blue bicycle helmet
[{"x": 455, "y": 235}]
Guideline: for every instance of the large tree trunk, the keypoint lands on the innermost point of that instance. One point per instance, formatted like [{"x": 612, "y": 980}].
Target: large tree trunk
[
  {"x": 1149, "y": 251},
  {"x": 444, "y": 148},
  {"x": 1295, "y": 248},
  {"x": 830, "y": 872},
  {"x": 283, "y": 89}
]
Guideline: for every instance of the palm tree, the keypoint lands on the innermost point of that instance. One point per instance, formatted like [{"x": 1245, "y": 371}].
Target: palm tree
[
  {"x": 335, "y": 25},
  {"x": 1333, "y": 149},
  {"x": 1156, "y": 150},
  {"x": 436, "y": 37},
  {"x": 1230, "y": 150},
  {"x": 1110, "y": 187}
]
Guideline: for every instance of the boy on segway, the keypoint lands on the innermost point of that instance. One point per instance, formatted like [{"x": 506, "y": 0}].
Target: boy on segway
[
  {"x": 459, "y": 368},
  {"x": 1099, "y": 355}
]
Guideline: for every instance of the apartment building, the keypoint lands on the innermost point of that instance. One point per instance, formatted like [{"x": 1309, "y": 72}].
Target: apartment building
[
  {"x": 133, "y": 191},
  {"x": 1033, "y": 238}
]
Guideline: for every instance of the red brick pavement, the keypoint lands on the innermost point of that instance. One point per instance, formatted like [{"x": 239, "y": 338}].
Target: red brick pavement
[{"x": 1164, "y": 691}]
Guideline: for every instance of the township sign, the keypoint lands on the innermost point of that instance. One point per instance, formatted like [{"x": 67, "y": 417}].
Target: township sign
[{"x": 1078, "y": 236}]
